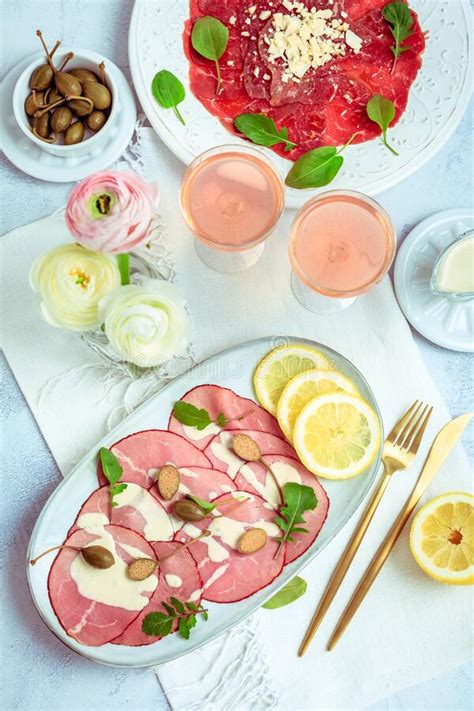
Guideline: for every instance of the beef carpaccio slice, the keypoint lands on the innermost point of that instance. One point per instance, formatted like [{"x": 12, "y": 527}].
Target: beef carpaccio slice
[
  {"x": 227, "y": 575},
  {"x": 217, "y": 400},
  {"x": 137, "y": 508},
  {"x": 329, "y": 104},
  {"x": 142, "y": 454},
  {"x": 94, "y": 606},
  {"x": 178, "y": 577},
  {"x": 222, "y": 457},
  {"x": 253, "y": 477}
]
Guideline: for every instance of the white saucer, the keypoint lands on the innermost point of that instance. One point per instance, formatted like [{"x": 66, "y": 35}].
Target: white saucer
[
  {"x": 33, "y": 160},
  {"x": 442, "y": 321}
]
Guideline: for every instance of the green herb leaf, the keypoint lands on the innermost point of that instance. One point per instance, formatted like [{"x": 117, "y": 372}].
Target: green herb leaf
[
  {"x": 183, "y": 628},
  {"x": 206, "y": 506},
  {"x": 209, "y": 38},
  {"x": 192, "y": 621},
  {"x": 191, "y": 416},
  {"x": 179, "y": 607},
  {"x": 294, "y": 589},
  {"x": 118, "y": 488},
  {"x": 169, "y": 609},
  {"x": 382, "y": 112},
  {"x": 400, "y": 19},
  {"x": 191, "y": 606},
  {"x": 204, "y": 614},
  {"x": 168, "y": 91},
  {"x": 110, "y": 465},
  {"x": 221, "y": 420},
  {"x": 297, "y": 500},
  {"x": 262, "y": 130},
  {"x": 315, "y": 168},
  {"x": 157, "y": 624}
]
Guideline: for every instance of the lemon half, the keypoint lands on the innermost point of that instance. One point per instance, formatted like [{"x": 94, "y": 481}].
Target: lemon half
[
  {"x": 303, "y": 388},
  {"x": 442, "y": 538},
  {"x": 279, "y": 367},
  {"x": 337, "y": 435}
]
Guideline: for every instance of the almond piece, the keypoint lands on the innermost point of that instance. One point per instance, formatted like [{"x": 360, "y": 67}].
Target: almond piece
[
  {"x": 246, "y": 448},
  {"x": 168, "y": 482},
  {"x": 141, "y": 568},
  {"x": 252, "y": 541}
]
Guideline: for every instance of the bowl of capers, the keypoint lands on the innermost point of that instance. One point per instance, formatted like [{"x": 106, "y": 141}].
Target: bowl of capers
[{"x": 67, "y": 105}]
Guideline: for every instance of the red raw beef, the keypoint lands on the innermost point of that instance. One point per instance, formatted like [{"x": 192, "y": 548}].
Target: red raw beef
[
  {"x": 235, "y": 576},
  {"x": 143, "y": 453},
  {"x": 129, "y": 516},
  {"x": 181, "y": 565},
  {"x": 314, "y": 520},
  {"x": 267, "y": 443},
  {"x": 329, "y": 105},
  {"x": 217, "y": 400},
  {"x": 87, "y": 621}
]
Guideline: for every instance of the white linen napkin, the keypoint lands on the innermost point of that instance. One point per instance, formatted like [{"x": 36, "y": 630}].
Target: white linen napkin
[{"x": 409, "y": 628}]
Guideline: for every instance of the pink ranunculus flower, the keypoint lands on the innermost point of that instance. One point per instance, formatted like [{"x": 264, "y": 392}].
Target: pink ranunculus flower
[{"x": 111, "y": 211}]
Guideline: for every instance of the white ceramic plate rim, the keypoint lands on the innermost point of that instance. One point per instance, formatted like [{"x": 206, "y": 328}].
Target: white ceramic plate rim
[
  {"x": 128, "y": 655},
  {"x": 295, "y": 198}
]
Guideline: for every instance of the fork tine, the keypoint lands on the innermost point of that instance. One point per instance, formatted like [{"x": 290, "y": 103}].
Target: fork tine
[
  {"x": 408, "y": 427},
  {"x": 392, "y": 436},
  {"x": 413, "y": 449},
  {"x": 411, "y": 433}
]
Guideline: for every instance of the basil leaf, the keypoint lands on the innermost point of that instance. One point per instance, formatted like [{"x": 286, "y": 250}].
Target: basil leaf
[
  {"x": 189, "y": 415},
  {"x": 110, "y": 465},
  {"x": 315, "y": 168},
  {"x": 400, "y": 19},
  {"x": 206, "y": 506},
  {"x": 382, "y": 112},
  {"x": 157, "y": 624},
  {"x": 262, "y": 130},
  {"x": 209, "y": 37},
  {"x": 294, "y": 589},
  {"x": 168, "y": 91}
]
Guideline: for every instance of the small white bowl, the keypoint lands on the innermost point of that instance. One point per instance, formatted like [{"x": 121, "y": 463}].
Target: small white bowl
[{"x": 82, "y": 58}]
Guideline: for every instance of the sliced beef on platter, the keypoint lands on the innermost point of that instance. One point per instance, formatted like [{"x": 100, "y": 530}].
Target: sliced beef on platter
[
  {"x": 227, "y": 575},
  {"x": 142, "y": 454},
  {"x": 178, "y": 577},
  {"x": 94, "y": 606},
  {"x": 136, "y": 508},
  {"x": 254, "y": 478},
  {"x": 222, "y": 457},
  {"x": 217, "y": 400}
]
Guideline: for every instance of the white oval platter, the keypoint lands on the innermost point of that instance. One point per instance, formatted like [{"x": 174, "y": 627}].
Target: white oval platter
[
  {"x": 231, "y": 368},
  {"x": 437, "y": 101}
]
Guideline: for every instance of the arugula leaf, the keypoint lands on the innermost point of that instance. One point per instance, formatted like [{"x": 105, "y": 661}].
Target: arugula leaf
[
  {"x": 382, "y": 112},
  {"x": 262, "y": 130},
  {"x": 294, "y": 589},
  {"x": 297, "y": 500},
  {"x": 206, "y": 506},
  {"x": 112, "y": 472},
  {"x": 400, "y": 19},
  {"x": 168, "y": 91},
  {"x": 209, "y": 38},
  {"x": 191, "y": 416},
  {"x": 157, "y": 624}
]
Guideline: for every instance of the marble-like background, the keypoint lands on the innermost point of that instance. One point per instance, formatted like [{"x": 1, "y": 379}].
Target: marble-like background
[{"x": 38, "y": 672}]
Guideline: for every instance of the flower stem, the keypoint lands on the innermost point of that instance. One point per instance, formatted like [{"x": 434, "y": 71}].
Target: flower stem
[{"x": 124, "y": 268}]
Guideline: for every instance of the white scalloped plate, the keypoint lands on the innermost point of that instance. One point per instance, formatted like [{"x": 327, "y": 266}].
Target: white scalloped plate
[
  {"x": 231, "y": 368},
  {"x": 437, "y": 101},
  {"x": 448, "y": 323}
]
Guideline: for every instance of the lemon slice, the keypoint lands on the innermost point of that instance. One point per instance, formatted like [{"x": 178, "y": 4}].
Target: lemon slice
[
  {"x": 337, "y": 435},
  {"x": 442, "y": 538},
  {"x": 279, "y": 367},
  {"x": 303, "y": 388}
]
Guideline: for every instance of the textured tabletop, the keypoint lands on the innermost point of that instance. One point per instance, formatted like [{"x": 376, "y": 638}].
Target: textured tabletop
[{"x": 39, "y": 672}]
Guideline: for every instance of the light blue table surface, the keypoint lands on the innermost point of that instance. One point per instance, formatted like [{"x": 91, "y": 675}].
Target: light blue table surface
[{"x": 39, "y": 673}]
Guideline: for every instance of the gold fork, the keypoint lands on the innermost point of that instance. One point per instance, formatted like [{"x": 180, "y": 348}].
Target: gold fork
[{"x": 399, "y": 451}]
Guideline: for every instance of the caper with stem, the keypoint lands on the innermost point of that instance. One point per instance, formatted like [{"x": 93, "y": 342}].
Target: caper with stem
[
  {"x": 81, "y": 105},
  {"x": 95, "y": 556},
  {"x": 41, "y": 127},
  {"x": 74, "y": 134},
  {"x": 98, "y": 93},
  {"x": 61, "y": 119},
  {"x": 41, "y": 77},
  {"x": 96, "y": 120},
  {"x": 65, "y": 82},
  {"x": 34, "y": 102},
  {"x": 83, "y": 74}
]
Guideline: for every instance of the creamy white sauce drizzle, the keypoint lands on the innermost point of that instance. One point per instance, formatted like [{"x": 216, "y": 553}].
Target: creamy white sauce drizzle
[
  {"x": 220, "y": 448},
  {"x": 194, "y": 434},
  {"x": 111, "y": 586},
  {"x": 218, "y": 573},
  {"x": 268, "y": 490},
  {"x": 174, "y": 581},
  {"x": 158, "y": 526},
  {"x": 195, "y": 595}
]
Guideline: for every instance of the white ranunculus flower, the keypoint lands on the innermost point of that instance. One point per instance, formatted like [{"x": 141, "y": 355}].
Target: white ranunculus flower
[
  {"x": 70, "y": 281},
  {"x": 146, "y": 324}
]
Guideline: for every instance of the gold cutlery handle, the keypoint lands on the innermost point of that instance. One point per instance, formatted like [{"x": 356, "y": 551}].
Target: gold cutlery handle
[
  {"x": 373, "y": 570},
  {"x": 343, "y": 565}
]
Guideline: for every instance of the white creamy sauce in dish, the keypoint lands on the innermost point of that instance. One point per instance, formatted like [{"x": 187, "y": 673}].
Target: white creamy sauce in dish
[
  {"x": 92, "y": 522},
  {"x": 111, "y": 586},
  {"x": 174, "y": 581},
  {"x": 455, "y": 272},
  {"x": 158, "y": 526},
  {"x": 195, "y": 435}
]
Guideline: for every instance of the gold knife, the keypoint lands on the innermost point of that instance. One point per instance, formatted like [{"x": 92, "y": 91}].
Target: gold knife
[{"x": 441, "y": 447}]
